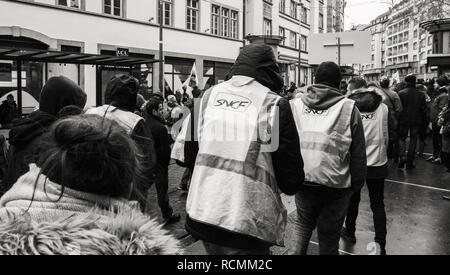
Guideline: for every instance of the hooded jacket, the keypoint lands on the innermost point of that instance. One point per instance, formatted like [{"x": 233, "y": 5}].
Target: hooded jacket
[
  {"x": 368, "y": 102},
  {"x": 25, "y": 135},
  {"x": 322, "y": 97},
  {"x": 414, "y": 107},
  {"x": 257, "y": 62},
  {"x": 78, "y": 223}
]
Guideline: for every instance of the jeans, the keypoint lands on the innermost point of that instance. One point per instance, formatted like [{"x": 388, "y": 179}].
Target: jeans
[
  {"x": 376, "y": 194},
  {"x": 161, "y": 183},
  {"x": 218, "y": 250},
  {"x": 403, "y": 135},
  {"x": 324, "y": 208},
  {"x": 437, "y": 141}
]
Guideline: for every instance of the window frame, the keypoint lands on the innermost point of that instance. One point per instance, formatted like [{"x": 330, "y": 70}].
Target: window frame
[
  {"x": 191, "y": 11},
  {"x": 122, "y": 8}
]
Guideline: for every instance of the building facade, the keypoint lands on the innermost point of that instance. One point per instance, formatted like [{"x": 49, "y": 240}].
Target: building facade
[{"x": 201, "y": 38}]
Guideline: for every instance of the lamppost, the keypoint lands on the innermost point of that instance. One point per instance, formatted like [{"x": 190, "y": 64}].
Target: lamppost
[
  {"x": 161, "y": 49},
  {"x": 300, "y": 4}
]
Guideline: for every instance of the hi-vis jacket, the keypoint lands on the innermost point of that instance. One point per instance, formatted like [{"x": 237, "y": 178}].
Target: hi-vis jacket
[
  {"x": 377, "y": 135},
  {"x": 325, "y": 140},
  {"x": 126, "y": 120},
  {"x": 233, "y": 185}
]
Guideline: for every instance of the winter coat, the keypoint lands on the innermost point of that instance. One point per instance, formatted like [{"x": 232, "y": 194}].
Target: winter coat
[
  {"x": 257, "y": 62},
  {"x": 25, "y": 139},
  {"x": 414, "y": 108},
  {"x": 368, "y": 102},
  {"x": 444, "y": 120},
  {"x": 437, "y": 106},
  {"x": 34, "y": 222},
  {"x": 323, "y": 97}
]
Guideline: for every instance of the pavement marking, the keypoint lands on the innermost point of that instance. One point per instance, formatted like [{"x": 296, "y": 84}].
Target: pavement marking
[
  {"x": 342, "y": 251},
  {"x": 418, "y": 185}
]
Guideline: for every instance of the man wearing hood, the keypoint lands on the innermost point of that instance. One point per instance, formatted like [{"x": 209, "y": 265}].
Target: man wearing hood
[
  {"x": 120, "y": 98},
  {"x": 334, "y": 152},
  {"x": 25, "y": 135},
  {"x": 377, "y": 123},
  {"x": 247, "y": 153}
]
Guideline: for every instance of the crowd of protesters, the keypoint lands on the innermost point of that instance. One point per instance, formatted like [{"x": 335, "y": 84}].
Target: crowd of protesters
[{"x": 84, "y": 173}]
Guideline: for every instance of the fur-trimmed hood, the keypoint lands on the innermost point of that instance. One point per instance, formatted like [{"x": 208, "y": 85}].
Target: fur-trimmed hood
[{"x": 33, "y": 221}]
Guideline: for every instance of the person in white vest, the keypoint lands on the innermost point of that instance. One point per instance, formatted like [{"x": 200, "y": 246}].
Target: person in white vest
[
  {"x": 247, "y": 153},
  {"x": 120, "y": 98},
  {"x": 334, "y": 152},
  {"x": 378, "y": 123}
]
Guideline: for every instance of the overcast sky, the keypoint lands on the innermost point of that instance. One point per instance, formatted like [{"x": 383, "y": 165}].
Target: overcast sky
[{"x": 363, "y": 11}]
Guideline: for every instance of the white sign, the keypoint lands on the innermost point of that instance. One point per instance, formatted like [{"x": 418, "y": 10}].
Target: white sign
[{"x": 351, "y": 47}]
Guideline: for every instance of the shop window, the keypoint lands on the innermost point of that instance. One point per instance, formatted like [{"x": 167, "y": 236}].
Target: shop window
[{"x": 214, "y": 73}]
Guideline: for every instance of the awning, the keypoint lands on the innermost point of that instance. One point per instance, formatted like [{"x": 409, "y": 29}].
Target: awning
[
  {"x": 439, "y": 60},
  {"x": 71, "y": 57}
]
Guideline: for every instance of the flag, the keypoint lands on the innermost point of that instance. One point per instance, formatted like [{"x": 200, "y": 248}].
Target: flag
[{"x": 191, "y": 81}]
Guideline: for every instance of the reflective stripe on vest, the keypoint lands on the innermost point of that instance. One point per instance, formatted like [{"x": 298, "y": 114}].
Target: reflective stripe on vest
[
  {"x": 325, "y": 139},
  {"x": 127, "y": 120},
  {"x": 233, "y": 185},
  {"x": 377, "y": 136}
]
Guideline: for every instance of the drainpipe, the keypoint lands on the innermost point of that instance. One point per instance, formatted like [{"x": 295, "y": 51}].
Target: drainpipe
[{"x": 244, "y": 19}]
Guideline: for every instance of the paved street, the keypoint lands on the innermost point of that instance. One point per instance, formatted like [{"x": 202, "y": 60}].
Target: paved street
[{"x": 418, "y": 218}]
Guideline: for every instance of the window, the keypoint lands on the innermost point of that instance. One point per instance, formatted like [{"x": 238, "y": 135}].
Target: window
[
  {"x": 293, "y": 39},
  {"x": 373, "y": 57},
  {"x": 320, "y": 21},
  {"x": 282, "y": 6},
  {"x": 224, "y": 22},
  {"x": 113, "y": 7},
  {"x": 282, "y": 33},
  {"x": 415, "y": 33},
  {"x": 267, "y": 26},
  {"x": 303, "y": 45},
  {"x": 415, "y": 46},
  {"x": 167, "y": 11},
  {"x": 69, "y": 3},
  {"x": 294, "y": 9},
  {"x": 304, "y": 15},
  {"x": 192, "y": 13}
]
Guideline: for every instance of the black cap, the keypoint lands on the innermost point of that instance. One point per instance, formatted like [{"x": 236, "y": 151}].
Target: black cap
[{"x": 329, "y": 73}]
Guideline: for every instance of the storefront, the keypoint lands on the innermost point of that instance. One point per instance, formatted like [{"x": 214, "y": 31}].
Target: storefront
[
  {"x": 26, "y": 65},
  {"x": 440, "y": 59}
]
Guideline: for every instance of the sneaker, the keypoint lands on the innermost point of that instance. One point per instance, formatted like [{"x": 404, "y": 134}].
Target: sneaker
[
  {"x": 401, "y": 164},
  {"x": 348, "y": 236},
  {"x": 437, "y": 161},
  {"x": 172, "y": 219}
]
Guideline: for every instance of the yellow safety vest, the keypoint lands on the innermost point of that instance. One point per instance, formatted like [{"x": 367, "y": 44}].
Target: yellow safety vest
[
  {"x": 233, "y": 185},
  {"x": 377, "y": 136},
  {"x": 325, "y": 140},
  {"x": 127, "y": 120}
]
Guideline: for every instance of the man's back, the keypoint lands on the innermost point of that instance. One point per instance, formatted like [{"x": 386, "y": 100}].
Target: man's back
[{"x": 414, "y": 107}]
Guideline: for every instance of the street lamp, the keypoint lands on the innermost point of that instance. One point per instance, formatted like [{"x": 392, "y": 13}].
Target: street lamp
[{"x": 300, "y": 4}]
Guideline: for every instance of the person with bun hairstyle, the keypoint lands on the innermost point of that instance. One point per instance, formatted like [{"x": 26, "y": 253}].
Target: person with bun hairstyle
[{"x": 79, "y": 190}]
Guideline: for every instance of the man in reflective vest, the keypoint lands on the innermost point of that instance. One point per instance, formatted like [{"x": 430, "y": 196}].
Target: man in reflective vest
[
  {"x": 334, "y": 153},
  {"x": 376, "y": 120},
  {"x": 247, "y": 153},
  {"x": 120, "y": 99}
]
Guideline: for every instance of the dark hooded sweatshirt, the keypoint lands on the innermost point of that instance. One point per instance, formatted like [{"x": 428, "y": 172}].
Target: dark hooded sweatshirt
[
  {"x": 258, "y": 62},
  {"x": 368, "y": 102},
  {"x": 25, "y": 135},
  {"x": 323, "y": 97}
]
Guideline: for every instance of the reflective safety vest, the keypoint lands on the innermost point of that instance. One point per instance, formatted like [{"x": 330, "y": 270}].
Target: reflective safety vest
[
  {"x": 377, "y": 136},
  {"x": 233, "y": 185},
  {"x": 325, "y": 140},
  {"x": 127, "y": 120}
]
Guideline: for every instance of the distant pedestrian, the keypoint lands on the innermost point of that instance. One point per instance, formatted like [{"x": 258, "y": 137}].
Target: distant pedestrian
[
  {"x": 394, "y": 104},
  {"x": 355, "y": 84},
  {"x": 25, "y": 135},
  {"x": 8, "y": 111},
  {"x": 437, "y": 106},
  {"x": 411, "y": 120},
  {"x": 234, "y": 204},
  {"x": 334, "y": 153},
  {"x": 121, "y": 97},
  {"x": 376, "y": 120},
  {"x": 153, "y": 114},
  {"x": 74, "y": 199}
]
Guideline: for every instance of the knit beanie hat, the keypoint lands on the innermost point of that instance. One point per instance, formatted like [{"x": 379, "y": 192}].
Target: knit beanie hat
[{"x": 329, "y": 74}]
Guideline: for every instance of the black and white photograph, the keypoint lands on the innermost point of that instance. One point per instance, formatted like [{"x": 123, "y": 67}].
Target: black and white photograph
[{"x": 249, "y": 128}]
